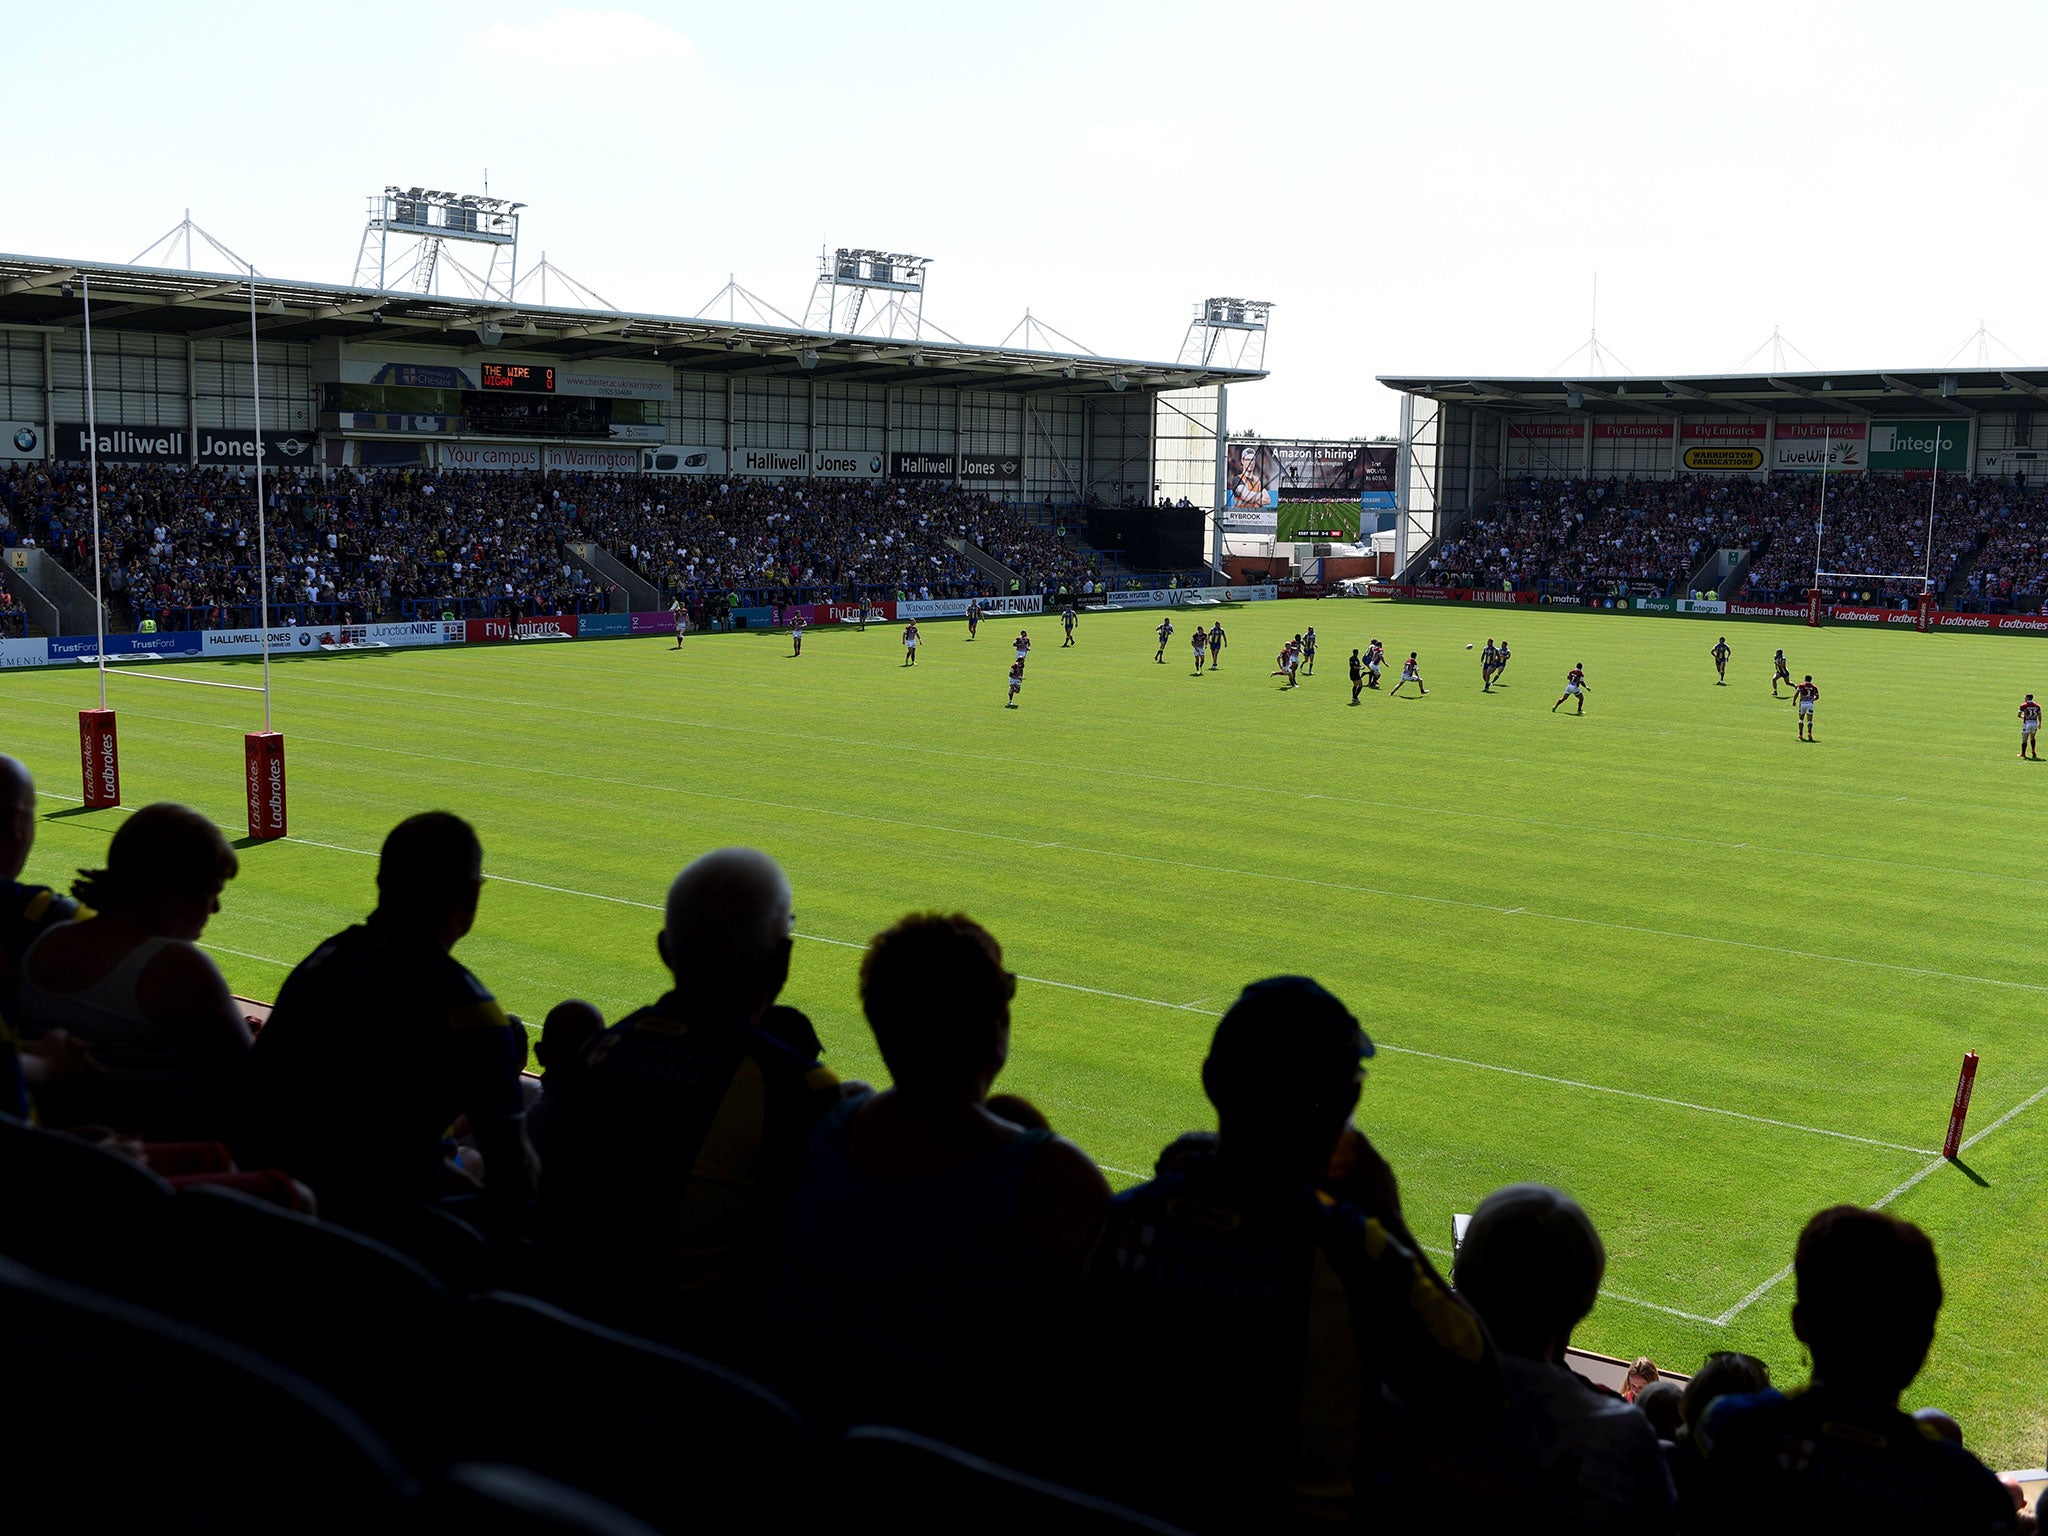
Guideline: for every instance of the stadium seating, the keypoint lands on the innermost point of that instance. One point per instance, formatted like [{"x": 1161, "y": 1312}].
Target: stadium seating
[
  {"x": 936, "y": 1490},
  {"x": 360, "y": 1319},
  {"x": 480, "y": 1499},
  {"x": 1649, "y": 537},
  {"x": 135, "y": 1423},
  {"x": 674, "y": 1439},
  {"x": 48, "y": 1180},
  {"x": 179, "y": 545}
]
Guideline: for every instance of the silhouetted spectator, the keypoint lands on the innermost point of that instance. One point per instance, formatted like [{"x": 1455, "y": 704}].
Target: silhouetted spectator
[
  {"x": 674, "y": 1145},
  {"x": 564, "y": 1035},
  {"x": 1244, "y": 1320},
  {"x": 381, "y": 1039},
  {"x": 25, "y": 911},
  {"x": 1726, "y": 1373},
  {"x": 1571, "y": 1457},
  {"x": 932, "y": 1249},
  {"x": 131, "y": 983},
  {"x": 1662, "y": 1402},
  {"x": 1838, "y": 1454}
]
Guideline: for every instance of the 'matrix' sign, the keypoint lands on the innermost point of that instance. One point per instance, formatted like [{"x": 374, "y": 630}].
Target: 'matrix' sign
[{"x": 122, "y": 443}]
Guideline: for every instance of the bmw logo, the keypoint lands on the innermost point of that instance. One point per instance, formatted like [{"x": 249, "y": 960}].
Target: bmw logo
[
  {"x": 26, "y": 440},
  {"x": 874, "y": 464},
  {"x": 305, "y": 637}
]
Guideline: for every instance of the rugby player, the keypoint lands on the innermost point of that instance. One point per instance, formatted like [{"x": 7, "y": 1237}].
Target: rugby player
[
  {"x": 1216, "y": 643},
  {"x": 1016, "y": 681},
  {"x": 1575, "y": 687},
  {"x": 1357, "y": 675},
  {"x": 1720, "y": 654},
  {"x": 1411, "y": 672},
  {"x": 1783, "y": 674},
  {"x": 1807, "y": 696},
  {"x": 911, "y": 637},
  {"x": 2030, "y": 728},
  {"x": 1165, "y": 634},
  {"x": 1067, "y": 617}
]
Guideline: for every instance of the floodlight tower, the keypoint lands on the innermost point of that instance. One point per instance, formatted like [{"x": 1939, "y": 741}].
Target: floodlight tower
[
  {"x": 868, "y": 293},
  {"x": 1226, "y": 333},
  {"x": 408, "y": 228}
]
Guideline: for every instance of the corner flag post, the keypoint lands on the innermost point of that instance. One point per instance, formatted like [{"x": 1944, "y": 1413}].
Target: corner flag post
[{"x": 1960, "y": 1111}]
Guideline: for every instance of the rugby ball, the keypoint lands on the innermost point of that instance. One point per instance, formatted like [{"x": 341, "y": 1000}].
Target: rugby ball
[{"x": 1468, "y": 647}]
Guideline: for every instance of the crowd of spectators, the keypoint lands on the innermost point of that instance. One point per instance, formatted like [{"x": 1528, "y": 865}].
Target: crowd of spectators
[
  {"x": 1251, "y": 1339},
  {"x": 1608, "y": 536},
  {"x": 1876, "y": 526},
  {"x": 179, "y": 544},
  {"x": 1650, "y": 537}
]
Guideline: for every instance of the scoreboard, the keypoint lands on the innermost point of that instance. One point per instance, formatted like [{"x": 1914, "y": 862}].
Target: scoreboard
[{"x": 519, "y": 378}]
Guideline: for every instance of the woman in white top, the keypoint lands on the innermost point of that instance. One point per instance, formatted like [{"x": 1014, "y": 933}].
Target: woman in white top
[{"x": 129, "y": 981}]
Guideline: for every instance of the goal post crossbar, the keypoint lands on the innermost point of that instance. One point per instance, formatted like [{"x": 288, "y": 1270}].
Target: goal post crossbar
[{"x": 1873, "y": 575}]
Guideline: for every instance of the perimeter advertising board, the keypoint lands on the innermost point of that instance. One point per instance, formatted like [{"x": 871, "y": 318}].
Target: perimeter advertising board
[
  {"x": 22, "y": 440},
  {"x": 1840, "y": 447},
  {"x": 1723, "y": 447},
  {"x": 1546, "y": 446},
  {"x": 1920, "y": 445}
]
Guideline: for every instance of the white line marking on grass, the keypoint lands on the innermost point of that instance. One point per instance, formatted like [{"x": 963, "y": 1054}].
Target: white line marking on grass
[
  {"x": 1012, "y": 760},
  {"x": 1198, "y": 1009},
  {"x": 1606, "y": 1295},
  {"x": 1889, "y": 1196},
  {"x": 983, "y": 834}
]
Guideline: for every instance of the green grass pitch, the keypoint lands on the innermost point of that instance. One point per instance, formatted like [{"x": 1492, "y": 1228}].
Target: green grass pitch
[{"x": 1705, "y": 977}]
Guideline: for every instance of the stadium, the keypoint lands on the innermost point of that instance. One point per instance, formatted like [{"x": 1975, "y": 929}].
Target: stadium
[{"x": 628, "y": 921}]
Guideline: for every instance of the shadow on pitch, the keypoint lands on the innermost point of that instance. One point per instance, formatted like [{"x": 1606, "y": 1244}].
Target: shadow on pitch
[
  {"x": 1971, "y": 1174},
  {"x": 78, "y": 810}
]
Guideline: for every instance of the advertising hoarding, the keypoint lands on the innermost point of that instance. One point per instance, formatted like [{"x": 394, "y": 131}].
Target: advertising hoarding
[{"x": 1920, "y": 445}]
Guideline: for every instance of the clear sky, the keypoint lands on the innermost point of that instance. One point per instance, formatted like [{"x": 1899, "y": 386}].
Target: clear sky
[{"x": 1421, "y": 188}]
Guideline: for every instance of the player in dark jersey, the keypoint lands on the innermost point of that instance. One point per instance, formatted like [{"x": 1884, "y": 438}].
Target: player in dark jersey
[
  {"x": 1782, "y": 672},
  {"x": 1488, "y": 660},
  {"x": 1016, "y": 681},
  {"x": 1357, "y": 675},
  {"x": 1067, "y": 617},
  {"x": 1720, "y": 653},
  {"x": 1575, "y": 687},
  {"x": 973, "y": 617},
  {"x": 1805, "y": 697},
  {"x": 912, "y": 638},
  {"x": 2030, "y": 728},
  {"x": 1500, "y": 663},
  {"x": 796, "y": 634},
  {"x": 1308, "y": 650},
  {"x": 1216, "y": 643},
  {"x": 1200, "y": 642},
  {"x": 1165, "y": 634}
]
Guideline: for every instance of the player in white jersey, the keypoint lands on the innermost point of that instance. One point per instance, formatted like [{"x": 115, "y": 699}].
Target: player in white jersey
[
  {"x": 1165, "y": 634},
  {"x": 1411, "y": 672},
  {"x": 911, "y": 640}
]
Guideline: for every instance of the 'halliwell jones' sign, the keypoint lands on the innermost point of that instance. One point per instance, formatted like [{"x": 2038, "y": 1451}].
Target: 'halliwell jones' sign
[{"x": 123, "y": 444}]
